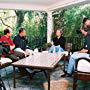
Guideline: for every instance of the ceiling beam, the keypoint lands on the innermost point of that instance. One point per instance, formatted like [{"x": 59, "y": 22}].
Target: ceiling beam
[
  {"x": 28, "y": 6},
  {"x": 22, "y": 6},
  {"x": 60, "y": 5}
]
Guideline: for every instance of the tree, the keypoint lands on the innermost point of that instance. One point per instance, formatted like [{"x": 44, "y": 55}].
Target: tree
[{"x": 20, "y": 18}]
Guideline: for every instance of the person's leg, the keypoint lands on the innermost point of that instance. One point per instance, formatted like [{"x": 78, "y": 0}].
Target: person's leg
[
  {"x": 23, "y": 71},
  {"x": 19, "y": 50},
  {"x": 57, "y": 49},
  {"x": 15, "y": 56},
  {"x": 51, "y": 49},
  {"x": 20, "y": 55},
  {"x": 61, "y": 49},
  {"x": 72, "y": 61},
  {"x": 12, "y": 57}
]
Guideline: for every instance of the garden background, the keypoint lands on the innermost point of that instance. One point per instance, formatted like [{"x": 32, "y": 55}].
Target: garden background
[{"x": 35, "y": 23}]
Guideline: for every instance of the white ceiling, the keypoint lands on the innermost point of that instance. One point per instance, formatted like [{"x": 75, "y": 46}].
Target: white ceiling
[
  {"x": 35, "y": 2},
  {"x": 38, "y": 4}
]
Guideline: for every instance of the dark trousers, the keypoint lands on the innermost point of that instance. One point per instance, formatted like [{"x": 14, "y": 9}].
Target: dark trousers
[{"x": 15, "y": 57}]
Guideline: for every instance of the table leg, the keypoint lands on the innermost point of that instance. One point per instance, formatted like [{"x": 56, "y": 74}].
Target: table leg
[
  {"x": 14, "y": 76},
  {"x": 48, "y": 74},
  {"x": 45, "y": 73}
]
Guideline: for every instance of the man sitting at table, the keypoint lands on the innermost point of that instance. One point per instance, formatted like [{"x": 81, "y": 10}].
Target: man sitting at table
[
  {"x": 58, "y": 41},
  {"x": 6, "y": 38},
  {"x": 10, "y": 53},
  {"x": 20, "y": 42},
  {"x": 85, "y": 52}
]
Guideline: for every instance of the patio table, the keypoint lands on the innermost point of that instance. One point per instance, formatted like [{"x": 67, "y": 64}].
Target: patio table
[{"x": 41, "y": 61}]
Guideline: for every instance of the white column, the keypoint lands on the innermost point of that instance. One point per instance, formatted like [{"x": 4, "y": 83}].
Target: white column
[{"x": 49, "y": 26}]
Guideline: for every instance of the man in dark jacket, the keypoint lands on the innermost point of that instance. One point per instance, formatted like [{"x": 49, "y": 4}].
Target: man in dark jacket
[
  {"x": 85, "y": 52},
  {"x": 13, "y": 55},
  {"x": 20, "y": 42},
  {"x": 10, "y": 46}
]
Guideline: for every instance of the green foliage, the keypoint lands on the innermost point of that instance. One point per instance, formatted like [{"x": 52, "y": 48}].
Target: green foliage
[
  {"x": 35, "y": 23},
  {"x": 20, "y": 18},
  {"x": 70, "y": 20},
  {"x": 1, "y": 33},
  {"x": 36, "y": 29},
  {"x": 46, "y": 46}
]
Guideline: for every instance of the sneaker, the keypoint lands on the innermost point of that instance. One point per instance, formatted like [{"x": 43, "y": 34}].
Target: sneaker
[
  {"x": 69, "y": 75},
  {"x": 66, "y": 75}
]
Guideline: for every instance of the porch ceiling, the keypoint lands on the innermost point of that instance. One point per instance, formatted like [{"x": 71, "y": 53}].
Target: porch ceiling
[{"x": 41, "y": 5}]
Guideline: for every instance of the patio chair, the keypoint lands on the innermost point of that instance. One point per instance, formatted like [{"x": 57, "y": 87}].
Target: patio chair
[
  {"x": 82, "y": 71},
  {"x": 4, "y": 62},
  {"x": 2, "y": 86}
]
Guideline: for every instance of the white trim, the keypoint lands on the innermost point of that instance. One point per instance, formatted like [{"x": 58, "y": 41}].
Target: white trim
[
  {"x": 22, "y": 6},
  {"x": 49, "y": 26},
  {"x": 67, "y": 3},
  {"x": 28, "y": 6}
]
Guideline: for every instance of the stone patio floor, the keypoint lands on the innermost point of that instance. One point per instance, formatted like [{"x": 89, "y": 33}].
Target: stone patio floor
[{"x": 37, "y": 82}]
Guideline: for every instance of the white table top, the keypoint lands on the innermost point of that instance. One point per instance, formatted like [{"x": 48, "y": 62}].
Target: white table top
[{"x": 40, "y": 60}]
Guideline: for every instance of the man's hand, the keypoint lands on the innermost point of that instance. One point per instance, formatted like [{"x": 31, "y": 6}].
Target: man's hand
[
  {"x": 84, "y": 32},
  {"x": 83, "y": 51}
]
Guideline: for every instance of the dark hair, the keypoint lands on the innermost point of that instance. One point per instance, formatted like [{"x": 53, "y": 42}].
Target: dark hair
[
  {"x": 21, "y": 30},
  {"x": 84, "y": 20},
  {"x": 6, "y": 31}
]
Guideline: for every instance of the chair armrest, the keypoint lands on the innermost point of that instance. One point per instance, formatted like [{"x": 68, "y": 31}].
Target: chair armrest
[{"x": 76, "y": 64}]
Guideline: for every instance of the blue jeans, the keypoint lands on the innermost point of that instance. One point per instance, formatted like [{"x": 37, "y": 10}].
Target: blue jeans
[
  {"x": 73, "y": 59},
  {"x": 55, "y": 49}
]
